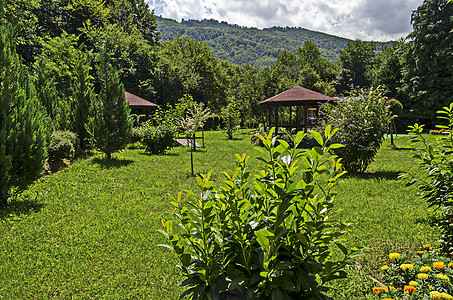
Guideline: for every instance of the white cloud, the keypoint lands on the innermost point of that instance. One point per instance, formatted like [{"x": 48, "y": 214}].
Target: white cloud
[{"x": 379, "y": 20}]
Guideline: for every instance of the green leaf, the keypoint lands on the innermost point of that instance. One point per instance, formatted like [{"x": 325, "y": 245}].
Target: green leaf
[
  {"x": 263, "y": 237},
  {"x": 317, "y": 136}
]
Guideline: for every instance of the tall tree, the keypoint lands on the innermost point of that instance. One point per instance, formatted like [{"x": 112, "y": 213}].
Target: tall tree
[
  {"x": 428, "y": 62},
  {"x": 110, "y": 126},
  {"x": 387, "y": 69},
  {"x": 188, "y": 66},
  {"x": 357, "y": 57},
  {"x": 82, "y": 96},
  {"x": 22, "y": 132}
]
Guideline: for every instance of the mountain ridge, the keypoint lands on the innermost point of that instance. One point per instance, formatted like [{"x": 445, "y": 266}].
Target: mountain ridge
[{"x": 248, "y": 45}]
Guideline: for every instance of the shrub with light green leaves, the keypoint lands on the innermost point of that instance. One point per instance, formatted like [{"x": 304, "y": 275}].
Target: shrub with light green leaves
[
  {"x": 434, "y": 174},
  {"x": 266, "y": 235},
  {"x": 362, "y": 119}
]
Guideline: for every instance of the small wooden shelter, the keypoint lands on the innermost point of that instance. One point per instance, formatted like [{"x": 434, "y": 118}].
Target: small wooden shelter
[
  {"x": 306, "y": 102},
  {"x": 139, "y": 105}
]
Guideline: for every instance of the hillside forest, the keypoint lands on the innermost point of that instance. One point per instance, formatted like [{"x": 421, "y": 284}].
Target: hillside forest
[{"x": 54, "y": 38}]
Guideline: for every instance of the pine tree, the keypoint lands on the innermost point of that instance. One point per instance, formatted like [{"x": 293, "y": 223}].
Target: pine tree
[
  {"x": 110, "y": 125},
  {"x": 22, "y": 130},
  {"x": 82, "y": 95}
]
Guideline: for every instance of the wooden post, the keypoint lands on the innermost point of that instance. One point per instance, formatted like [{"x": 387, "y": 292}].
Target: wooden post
[
  {"x": 276, "y": 119},
  {"x": 305, "y": 117},
  {"x": 290, "y": 118},
  {"x": 202, "y": 135}
]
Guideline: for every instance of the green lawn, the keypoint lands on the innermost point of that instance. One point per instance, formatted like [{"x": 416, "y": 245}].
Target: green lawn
[{"x": 90, "y": 231}]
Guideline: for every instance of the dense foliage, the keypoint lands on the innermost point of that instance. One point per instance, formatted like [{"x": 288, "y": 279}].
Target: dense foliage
[
  {"x": 436, "y": 163},
  {"x": 242, "y": 45},
  {"x": 110, "y": 127},
  {"x": 427, "y": 71},
  {"x": 157, "y": 139},
  {"x": 23, "y": 134},
  {"x": 362, "y": 119},
  {"x": 63, "y": 144},
  {"x": 266, "y": 236}
]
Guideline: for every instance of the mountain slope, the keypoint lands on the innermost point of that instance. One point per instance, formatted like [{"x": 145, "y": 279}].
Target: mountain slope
[{"x": 243, "y": 45}]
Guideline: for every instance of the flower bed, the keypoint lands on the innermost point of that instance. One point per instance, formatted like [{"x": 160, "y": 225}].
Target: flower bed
[{"x": 419, "y": 275}]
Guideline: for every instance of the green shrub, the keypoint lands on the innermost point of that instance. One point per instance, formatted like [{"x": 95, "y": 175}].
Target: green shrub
[
  {"x": 137, "y": 134},
  {"x": 362, "y": 119},
  {"x": 63, "y": 144},
  {"x": 158, "y": 139},
  {"x": 436, "y": 182},
  {"x": 230, "y": 117},
  {"x": 266, "y": 236}
]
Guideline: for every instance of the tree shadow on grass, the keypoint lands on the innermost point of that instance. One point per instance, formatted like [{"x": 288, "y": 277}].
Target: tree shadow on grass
[
  {"x": 18, "y": 207},
  {"x": 388, "y": 175},
  {"x": 112, "y": 163},
  {"x": 151, "y": 154},
  {"x": 402, "y": 149}
]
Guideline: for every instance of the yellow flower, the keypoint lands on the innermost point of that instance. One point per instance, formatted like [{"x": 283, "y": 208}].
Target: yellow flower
[
  {"x": 422, "y": 276},
  {"x": 421, "y": 252},
  {"x": 446, "y": 296},
  {"x": 394, "y": 256},
  {"x": 409, "y": 289},
  {"x": 425, "y": 269},
  {"x": 387, "y": 299},
  {"x": 426, "y": 246},
  {"x": 384, "y": 268},
  {"x": 440, "y": 296},
  {"x": 443, "y": 277},
  {"x": 450, "y": 265},
  {"x": 378, "y": 290},
  {"x": 439, "y": 265},
  {"x": 435, "y": 295},
  {"x": 413, "y": 283},
  {"x": 405, "y": 267}
]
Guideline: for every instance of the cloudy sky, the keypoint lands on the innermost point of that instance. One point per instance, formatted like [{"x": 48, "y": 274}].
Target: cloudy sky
[{"x": 378, "y": 20}]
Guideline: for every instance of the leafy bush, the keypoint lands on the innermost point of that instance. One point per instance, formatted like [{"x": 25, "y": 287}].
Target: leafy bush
[
  {"x": 158, "y": 139},
  {"x": 266, "y": 236},
  {"x": 63, "y": 144},
  {"x": 423, "y": 275},
  {"x": 362, "y": 119},
  {"x": 436, "y": 182},
  {"x": 137, "y": 134}
]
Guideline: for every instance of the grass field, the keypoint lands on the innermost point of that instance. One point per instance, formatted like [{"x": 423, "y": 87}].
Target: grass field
[{"x": 90, "y": 231}]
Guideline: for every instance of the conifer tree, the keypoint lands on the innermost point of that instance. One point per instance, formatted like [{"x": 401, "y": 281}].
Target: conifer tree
[
  {"x": 82, "y": 95},
  {"x": 22, "y": 130},
  {"x": 110, "y": 125}
]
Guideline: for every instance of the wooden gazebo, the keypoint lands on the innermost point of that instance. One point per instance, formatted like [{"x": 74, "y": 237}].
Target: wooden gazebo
[
  {"x": 306, "y": 101},
  {"x": 139, "y": 105}
]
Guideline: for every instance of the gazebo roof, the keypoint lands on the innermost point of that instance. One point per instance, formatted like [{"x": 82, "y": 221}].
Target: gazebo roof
[
  {"x": 136, "y": 101},
  {"x": 297, "y": 96}
]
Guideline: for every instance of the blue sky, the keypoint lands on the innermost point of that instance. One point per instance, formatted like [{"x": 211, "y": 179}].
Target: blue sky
[{"x": 378, "y": 20}]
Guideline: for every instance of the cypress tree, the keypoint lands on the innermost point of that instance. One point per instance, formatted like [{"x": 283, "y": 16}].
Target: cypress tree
[
  {"x": 82, "y": 95},
  {"x": 110, "y": 125},
  {"x": 22, "y": 130}
]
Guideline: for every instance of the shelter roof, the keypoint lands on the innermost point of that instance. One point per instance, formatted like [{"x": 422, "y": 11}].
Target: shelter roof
[
  {"x": 136, "y": 101},
  {"x": 297, "y": 96}
]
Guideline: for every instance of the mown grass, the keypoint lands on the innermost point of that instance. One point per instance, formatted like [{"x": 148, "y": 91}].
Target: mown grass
[{"x": 91, "y": 230}]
